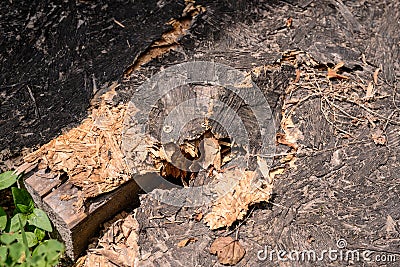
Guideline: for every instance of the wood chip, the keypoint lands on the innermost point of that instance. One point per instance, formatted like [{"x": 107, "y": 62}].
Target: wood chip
[
  {"x": 212, "y": 153},
  {"x": 332, "y": 73},
  {"x": 378, "y": 137},
  {"x": 89, "y": 154},
  {"x": 370, "y": 90},
  {"x": 185, "y": 242},
  {"x": 198, "y": 216},
  {"x": 375, "y": 75},
  {"x": 234, "y": 205}
]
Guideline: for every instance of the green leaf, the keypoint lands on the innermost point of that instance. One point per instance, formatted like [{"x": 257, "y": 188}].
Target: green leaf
[
  {"x": 3, "y": 253},
  {"x": 17, "y": 252},
  {"x": 51, "y": 250},
  {"x": 40, "y": 234},
  {"x": 3, "y": 219},
  {"x": 8, "y": 238},
  {"x": 15, "y": 222},
  {"x": 30, "y": 238},
  {"x": 22, "y": 200},
  {"x": 38, "y": 261},
  {"x": 7, "y": 179},
  {"x": 39, "y": 219}
]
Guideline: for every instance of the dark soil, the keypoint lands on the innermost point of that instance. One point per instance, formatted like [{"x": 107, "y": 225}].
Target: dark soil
[{"x": 56, "y": 55}]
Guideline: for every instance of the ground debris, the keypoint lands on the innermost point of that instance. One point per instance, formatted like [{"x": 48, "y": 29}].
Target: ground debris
[
  {"x": 185, "y": 242},
  {"x": 118, "y": 245},
  {"x": 234, "y": 205},
  {"x": 333, "y": 73},
  {"x": 378, "y": 136}
]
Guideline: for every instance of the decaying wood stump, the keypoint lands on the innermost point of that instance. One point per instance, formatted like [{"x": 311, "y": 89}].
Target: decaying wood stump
[{"x": 175, "y": 109}]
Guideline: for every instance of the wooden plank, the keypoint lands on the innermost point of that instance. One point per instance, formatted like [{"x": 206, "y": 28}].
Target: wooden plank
[
  {"x": 61, "y": 202},
  {"x": 43, "y": 182}
]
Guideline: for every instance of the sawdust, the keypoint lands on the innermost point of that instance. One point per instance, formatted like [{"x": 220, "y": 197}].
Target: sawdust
[
  {"x": 234, "y": 205},
  {"x": 89, "y": 154},
  {"x": 118, "y": 245}
]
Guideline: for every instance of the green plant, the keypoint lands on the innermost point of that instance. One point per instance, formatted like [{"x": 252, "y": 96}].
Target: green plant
[{"x": 24, "y": 238}]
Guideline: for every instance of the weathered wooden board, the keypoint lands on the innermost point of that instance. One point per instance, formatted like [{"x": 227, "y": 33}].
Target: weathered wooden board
[{"x": 76, "y": 226}]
